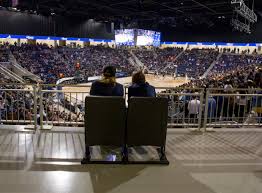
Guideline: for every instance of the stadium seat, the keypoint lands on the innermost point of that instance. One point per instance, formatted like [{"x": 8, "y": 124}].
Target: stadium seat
[
  {"x": 104, "y": 124},
  {"x": 147, "y": 125}
]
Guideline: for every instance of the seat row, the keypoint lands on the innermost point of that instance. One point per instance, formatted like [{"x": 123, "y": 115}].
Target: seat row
[{"x": 109, "y": 123}]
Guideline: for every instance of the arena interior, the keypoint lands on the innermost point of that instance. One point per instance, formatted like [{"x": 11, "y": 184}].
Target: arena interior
[{"x": 202, "y": 133}]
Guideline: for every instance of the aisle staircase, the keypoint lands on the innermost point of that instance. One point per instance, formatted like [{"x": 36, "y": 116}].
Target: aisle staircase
[
  {"x": 168, "y": 65},
  {"x": 20, "y": 71},
  {"x": 211, "y": 66},
  {"x": 6, "y": 72},
  {"x": 154, "y": 53},
  {"x": 138, "y": 63},
  {"x": 133, "y": 63}
]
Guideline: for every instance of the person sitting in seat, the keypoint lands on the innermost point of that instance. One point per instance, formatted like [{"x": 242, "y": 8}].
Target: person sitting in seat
[
  {"x": 139, "y": 87},
  {"x": 107, "y": 86}
]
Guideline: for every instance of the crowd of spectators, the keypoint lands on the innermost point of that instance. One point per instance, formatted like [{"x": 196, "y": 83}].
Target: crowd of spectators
[
  {"x": 240, "y": 76},
  {"x": 94, "y": 58},
  {"x": 61, "y": 111},
  {"x": 19, "y": 106},
  {"x": 14, "y": 105},
  {"x": 4, "y": 56},
  {"x": 157, "y": 59},
  {"x": 192, "y": 62},
  {"x": 246, "y": 79},
  {"x": 232, "y": 62},
  {"x": 195, "y": 62},
  {"x": 54, "y": 63}
]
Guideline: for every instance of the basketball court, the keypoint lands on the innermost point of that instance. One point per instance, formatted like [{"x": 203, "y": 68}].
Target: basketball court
[{"x": 155, "y": 80}]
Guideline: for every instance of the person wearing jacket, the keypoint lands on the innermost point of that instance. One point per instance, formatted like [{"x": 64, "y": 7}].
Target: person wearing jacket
[
  {"x": 107, "y": 86},
  {"x": 139, "y": 87}
]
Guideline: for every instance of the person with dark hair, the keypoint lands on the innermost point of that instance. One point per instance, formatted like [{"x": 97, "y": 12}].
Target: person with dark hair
[
  {"x": 107, "y": 86},
  {"x": 139, "y": 87}
]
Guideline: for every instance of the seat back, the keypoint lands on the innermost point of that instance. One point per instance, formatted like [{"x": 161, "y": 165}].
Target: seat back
[
  {"x": 105, "y": 120},
  {"x": 147, "y": 121}
]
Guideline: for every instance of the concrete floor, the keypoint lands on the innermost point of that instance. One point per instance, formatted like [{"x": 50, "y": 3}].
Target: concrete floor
[{"x": 225, "y": 161}]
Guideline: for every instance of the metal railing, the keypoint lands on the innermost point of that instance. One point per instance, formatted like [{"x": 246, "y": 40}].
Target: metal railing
[
  {"x": 57, "y": 107},
  {"x": 233, "y": 108},
  {"x": 184, "y": 109},
  {"x": 62, "y": 105},
  {"x": 18, "y": 106},
  {"x": 47, "y": 106}
]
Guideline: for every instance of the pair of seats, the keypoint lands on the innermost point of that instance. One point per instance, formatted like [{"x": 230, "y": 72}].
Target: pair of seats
[{"x": 109, "y": 123}]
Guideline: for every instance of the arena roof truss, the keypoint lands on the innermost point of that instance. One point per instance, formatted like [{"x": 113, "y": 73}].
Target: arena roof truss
[{"x": 173, "y": 12}]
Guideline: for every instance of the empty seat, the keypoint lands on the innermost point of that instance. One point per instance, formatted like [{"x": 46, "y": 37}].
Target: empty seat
[
  {"x": 147, "y": 124},
  {"x": 104, "y": 123}
]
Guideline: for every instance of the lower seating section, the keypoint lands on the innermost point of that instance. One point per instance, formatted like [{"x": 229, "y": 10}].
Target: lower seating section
[{"x": 17, "y": 105}]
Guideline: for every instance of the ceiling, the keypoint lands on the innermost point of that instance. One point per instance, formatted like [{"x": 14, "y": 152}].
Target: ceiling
[{"x": 134, "y": 12}]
